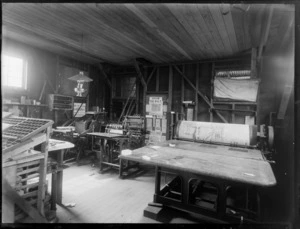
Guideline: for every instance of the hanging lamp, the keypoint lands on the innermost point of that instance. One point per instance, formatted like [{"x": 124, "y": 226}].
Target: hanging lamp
[{"x": 80, "y": 79}]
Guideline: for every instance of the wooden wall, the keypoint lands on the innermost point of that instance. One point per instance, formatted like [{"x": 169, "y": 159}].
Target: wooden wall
[
  {"x": 277, "y": 74},
  {"x": 44, "y": 65},
  {"x": 41, "y": 66},
  {"x": 297, "y": 117},
  {"x": 200, "y": 75}
]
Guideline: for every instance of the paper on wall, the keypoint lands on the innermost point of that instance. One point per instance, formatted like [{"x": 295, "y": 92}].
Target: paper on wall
[
  {"x": 156, "y": 106},
  {"x": 164, "y": 125}
]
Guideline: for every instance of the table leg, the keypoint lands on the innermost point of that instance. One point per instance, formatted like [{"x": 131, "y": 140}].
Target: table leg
[
  {"x": 101, "y": 154},
  {"x": 157, "y": 183},
  {"x": 60, "y": 157},
  {"x": 110, "y": 145},
  {"x": 120, "y": 169},
  {"x": 184, "y": 188},
  {"x": 54, "y": 189},
  {"x": 259, "y": 212},
  {"x": 221, "y": 204}
]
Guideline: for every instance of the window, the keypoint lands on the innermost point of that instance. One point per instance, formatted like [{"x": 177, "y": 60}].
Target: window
[{"x": 14, "y": 72}]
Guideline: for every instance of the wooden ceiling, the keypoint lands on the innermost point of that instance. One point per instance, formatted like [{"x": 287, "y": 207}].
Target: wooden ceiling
[{"x": 160, "y": 33}]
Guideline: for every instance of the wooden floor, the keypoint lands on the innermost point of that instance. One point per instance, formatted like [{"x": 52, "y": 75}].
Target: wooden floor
[{"x": 104, "y": 198}]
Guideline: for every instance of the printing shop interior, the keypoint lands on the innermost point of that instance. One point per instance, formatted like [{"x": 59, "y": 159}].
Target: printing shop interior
[{"x": 150, "y": 113}]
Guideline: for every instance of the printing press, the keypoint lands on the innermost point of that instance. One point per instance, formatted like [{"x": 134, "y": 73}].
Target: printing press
[
  {"x": 75, "y": 130},
  {"x": 128, "y": 135},
  {"x": 216, "y": 170}
]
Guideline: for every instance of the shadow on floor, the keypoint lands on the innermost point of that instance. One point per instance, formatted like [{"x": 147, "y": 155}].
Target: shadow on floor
[{"x": 169, "y": 215}]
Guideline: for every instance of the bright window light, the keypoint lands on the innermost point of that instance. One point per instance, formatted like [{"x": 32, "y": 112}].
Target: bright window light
[{"x": 13, "y": 72}]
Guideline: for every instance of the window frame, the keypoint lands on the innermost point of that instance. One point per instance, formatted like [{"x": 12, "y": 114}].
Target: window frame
[{"x": 24, "y": 86}]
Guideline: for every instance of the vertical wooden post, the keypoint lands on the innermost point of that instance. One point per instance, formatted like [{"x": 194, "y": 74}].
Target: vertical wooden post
[
  {"x": 157, "y": 80},
  {"x": 111, "y": 103},
  {"x": 137, "y": 95},
  {"x": 170, "y": 90},
  {"x": 182, "y": 90},
  {"x": 144, "y": 96},
  {"x": 57, "y": 83},
  {"x": 196, "y": 94},
  {"x": 43, "y": 173},
  {"x": 232, "y": 113},
  {"x": 103, "y": 95},
  {"x": 88, "y": 93},
  {"x": 253, "y": 63},
  {"x": 211, "y": 116},
  {"x": 60, "y": 162}
]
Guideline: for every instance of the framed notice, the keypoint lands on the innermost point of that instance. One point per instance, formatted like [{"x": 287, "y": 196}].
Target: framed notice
[
  {"x": 155, "y": 106},
  {"x": 81, "y": 111},
  {"x": 156, "y": 116}
]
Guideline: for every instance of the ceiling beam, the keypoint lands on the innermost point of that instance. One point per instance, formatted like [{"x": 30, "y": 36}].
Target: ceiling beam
[
  {"x": 152, "y": 25},
  {"x": 60, "y": 43},
  {"x": 120, "y": 34},
  {"x": 227, "y": 17},
  {"x": 220, "y": 24}
]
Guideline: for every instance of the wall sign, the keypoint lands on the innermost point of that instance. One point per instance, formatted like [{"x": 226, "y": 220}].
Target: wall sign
[{"x": 156, "y": 106}]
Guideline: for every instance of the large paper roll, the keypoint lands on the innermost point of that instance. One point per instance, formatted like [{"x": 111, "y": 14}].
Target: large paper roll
[{"x": 220, "y": 133}]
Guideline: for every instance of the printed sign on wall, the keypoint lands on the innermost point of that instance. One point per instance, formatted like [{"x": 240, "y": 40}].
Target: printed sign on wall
[{"x": 156, "y": 106}]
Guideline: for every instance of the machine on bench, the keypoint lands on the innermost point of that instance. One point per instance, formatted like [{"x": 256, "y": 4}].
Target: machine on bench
[
  {"x": 75, "y": 130},
  {"x": 128, "y": 135},
  {"x": 217, "y": 170}
]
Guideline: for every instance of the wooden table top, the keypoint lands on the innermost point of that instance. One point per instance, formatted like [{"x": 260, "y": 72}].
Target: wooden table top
[
  {"x": 106, "y": 135},
  {"x": 223, "y": 162},
  {"x": 59, "y": 145}
]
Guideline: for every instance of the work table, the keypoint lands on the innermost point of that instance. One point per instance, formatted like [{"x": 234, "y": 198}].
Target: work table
[{"x": 225, "y": 162}]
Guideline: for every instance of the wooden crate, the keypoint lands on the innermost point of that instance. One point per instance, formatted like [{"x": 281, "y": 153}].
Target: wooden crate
[
  {"x": 26, "y": 177},
  {"x": 60, "y": 102},
  {"x": 24, "y": 171}
]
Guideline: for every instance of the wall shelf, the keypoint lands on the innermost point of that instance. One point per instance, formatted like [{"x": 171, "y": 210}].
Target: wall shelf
[{"x": 21, "y": 104}]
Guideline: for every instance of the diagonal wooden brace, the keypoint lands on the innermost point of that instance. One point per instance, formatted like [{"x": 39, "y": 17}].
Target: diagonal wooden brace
[
  {"x": 140, "y": 75},
  {"x": 201, "y": 95},
  {"x": 151, "y": 74},
  {"x": 11, "y": 194},
  {"x": 104, "y": 74}
]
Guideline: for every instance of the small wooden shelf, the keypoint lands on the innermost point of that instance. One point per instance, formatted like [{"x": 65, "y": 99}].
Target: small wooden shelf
[
  {"x": 21, "y": 104},
  {"x": 234, "y": 110},
  {"x": 234, "y": 102},
  {"x": 60, "y": 102}
]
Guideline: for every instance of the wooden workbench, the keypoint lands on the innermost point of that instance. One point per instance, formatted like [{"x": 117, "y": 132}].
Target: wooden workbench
[
  {"x": 110, "y": 138},
  {"x": 221, "y": 165},
  {"x": 224, "y": 162},
  {"x": 58, "y": 147}
]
